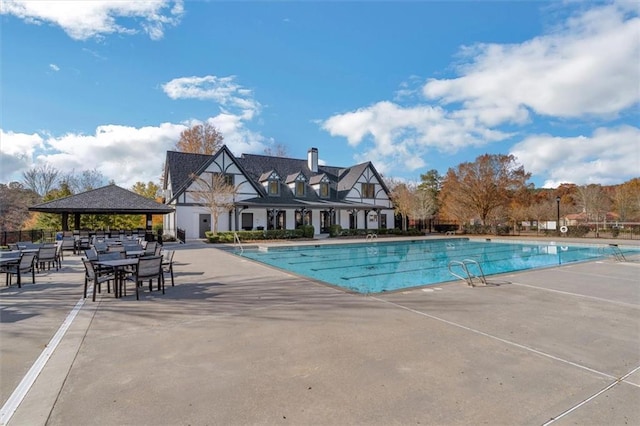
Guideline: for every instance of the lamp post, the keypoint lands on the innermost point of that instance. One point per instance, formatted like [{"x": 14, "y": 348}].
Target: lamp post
[{"x": 558, "y": 211}]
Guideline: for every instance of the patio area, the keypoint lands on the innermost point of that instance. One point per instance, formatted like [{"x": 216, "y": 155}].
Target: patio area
[{"x": 238, "y": 343}]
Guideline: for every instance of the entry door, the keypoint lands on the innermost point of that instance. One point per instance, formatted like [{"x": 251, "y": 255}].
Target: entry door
[
  {"x": 325, "y": 221},
  {"x": 205, "y": 225}
]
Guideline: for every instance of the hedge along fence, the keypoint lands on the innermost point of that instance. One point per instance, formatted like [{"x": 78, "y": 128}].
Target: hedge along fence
[{"x": 306, "y": 231}]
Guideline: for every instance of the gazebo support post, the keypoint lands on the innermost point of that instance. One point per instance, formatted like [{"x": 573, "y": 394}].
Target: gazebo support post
[{"x": 65, "y": 221}]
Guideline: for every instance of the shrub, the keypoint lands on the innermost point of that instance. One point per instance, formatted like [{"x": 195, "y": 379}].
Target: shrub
[
  {"x": 335, "y": 230},
  {"x": 307, "y": 231},
  {"x": 615, "y": 231},
  {"x": 578, "y": 231}
]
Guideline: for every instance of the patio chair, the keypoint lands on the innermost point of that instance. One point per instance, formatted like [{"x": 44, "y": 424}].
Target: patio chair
[
  {"x": 150, "y": 248},
  {"x": 26, "y": 264},
  {"x": 91, "y": 254},
  {"x": 147, "y": 269},
  {"x": 100, "y": 246},
  {"x": 91, "y": 275},
  {"x": 47, "y": 256},
  {"x": 167, "y": 264},
  {"x": 68, "y": 243}
]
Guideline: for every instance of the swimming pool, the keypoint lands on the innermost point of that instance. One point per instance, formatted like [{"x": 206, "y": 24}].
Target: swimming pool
[{"x": 374, "y": 267}]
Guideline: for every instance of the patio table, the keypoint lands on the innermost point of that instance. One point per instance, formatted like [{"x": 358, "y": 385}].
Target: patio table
[{"x": 119, "y": 271}]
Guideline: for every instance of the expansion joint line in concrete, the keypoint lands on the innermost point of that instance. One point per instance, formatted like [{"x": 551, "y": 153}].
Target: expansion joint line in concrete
[
  {"x": 615, "y": 382},
  {"x": 19, "y": 393},
  {"x": 500, "y": 339},
  {"x": 594, "y": 396}
]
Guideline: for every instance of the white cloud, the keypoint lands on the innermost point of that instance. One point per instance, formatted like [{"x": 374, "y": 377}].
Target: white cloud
[
  {"x": 401, "y": 135},
  {"x": 609, "y": 156},
  {"x": 586, "y": 67},
  {"x": 82, "y": 20},
  {"x": 581, "y": 71},
  {"x": 54, "y": 67},
  {"x": 223, "y": 90},
  {"x": 123, "y": 154}
]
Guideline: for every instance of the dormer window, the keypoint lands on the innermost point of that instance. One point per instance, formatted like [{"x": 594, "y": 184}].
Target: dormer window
[
  {"x": 298, "y": 184},
  {"x": 320, "y": 184},
  {"x": 324, "y": 190},
  {"x": 273, "y": 187},
  {"x": 271, "y": 182}
]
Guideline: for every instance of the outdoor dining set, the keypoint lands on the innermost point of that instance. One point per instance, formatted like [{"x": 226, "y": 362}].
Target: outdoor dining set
[{"x": 106, "y": 260}]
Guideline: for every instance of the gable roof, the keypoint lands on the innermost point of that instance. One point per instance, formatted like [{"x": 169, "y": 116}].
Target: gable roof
[
  {"x": 181, "y": 165},
  {"x": 110, "y": 199},
  {"x": 259, "y": 168}
]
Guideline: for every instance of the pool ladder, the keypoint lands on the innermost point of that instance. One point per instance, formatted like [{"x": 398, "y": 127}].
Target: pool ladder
[
  {"x": 237, "y": 243},
  {"x": 468, "y": 274},
  {"x": 616, "y": 253}
]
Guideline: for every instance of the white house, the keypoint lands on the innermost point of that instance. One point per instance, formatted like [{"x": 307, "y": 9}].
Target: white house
[{"x": 276, "y": 193}]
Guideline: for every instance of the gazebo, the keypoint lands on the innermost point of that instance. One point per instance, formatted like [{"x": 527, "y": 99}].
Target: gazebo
[{"x": 110, "y": 199}]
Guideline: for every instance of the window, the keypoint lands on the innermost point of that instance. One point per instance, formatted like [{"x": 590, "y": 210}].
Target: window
[
  {"x": 299, "y": 189},
  {"x": 228, "y": 178},
  {"x": 273, "y": 187},
  {"x": 368, "y": 190},
  {"x": 324, "y": 190}
]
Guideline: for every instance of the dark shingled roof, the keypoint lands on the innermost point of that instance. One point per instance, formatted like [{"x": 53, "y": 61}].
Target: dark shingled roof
[
  {"x": 110, "y": 199},
  {"x": 181, "y": 165},
  {"x": 259, "y": 168}
]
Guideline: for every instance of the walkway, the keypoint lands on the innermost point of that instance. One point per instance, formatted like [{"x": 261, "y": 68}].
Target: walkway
[{"x": 237, "y": 343}]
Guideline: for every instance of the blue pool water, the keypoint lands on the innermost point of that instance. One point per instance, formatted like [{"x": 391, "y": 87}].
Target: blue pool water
[{"x": 385, "y": 266}]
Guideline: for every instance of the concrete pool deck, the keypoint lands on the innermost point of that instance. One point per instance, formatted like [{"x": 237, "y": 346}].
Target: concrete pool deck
[{"x": 236, "y": 342}]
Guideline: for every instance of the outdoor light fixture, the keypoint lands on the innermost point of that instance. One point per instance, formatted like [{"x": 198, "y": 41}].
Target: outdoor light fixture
[{"x": 558, "y": 211}]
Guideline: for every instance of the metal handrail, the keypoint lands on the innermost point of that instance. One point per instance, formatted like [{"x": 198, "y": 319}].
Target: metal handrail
[
  {"x": 237, "y": 242},
  {"x": 617, "y": 253},
  {"x": 469, "y": 276}
]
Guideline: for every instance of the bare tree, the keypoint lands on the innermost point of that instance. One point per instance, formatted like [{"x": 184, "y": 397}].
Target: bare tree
[
  {"x": 425, "y": 204},
  {"x": 200, "y": 139},
  {"x": 277, "y": 150},
  {"x": 216, "y": 193},
  {"x": 542, "y": 210},
  {"x": 403, "y": 198},
  {"x": 41, "y": 179},
  {"x": 86, "y": 180},
  {"x": 595, "y": 203}
]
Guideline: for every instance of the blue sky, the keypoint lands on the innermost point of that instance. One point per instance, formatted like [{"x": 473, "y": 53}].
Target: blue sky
[{"x": 410, "y": 86}]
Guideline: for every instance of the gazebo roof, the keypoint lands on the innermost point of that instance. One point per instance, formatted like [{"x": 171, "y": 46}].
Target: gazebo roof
[{"x": 110, "y": 199}]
